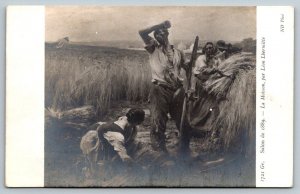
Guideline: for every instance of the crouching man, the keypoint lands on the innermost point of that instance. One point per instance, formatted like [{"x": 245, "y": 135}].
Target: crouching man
[{"x": 108, "y": 143}]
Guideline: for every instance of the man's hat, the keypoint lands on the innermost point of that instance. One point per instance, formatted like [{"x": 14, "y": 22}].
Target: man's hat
[{"x": 221, "y": 44}]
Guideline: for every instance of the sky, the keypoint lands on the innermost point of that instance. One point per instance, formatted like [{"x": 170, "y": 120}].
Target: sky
[{"x": 104, "y": 23}]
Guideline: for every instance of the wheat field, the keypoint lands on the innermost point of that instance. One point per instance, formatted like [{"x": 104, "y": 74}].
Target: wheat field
[{"x": 78, "y": 75}]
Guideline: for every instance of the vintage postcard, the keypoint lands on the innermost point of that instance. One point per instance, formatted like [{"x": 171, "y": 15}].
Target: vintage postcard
[{"x": 149, "y": 96}]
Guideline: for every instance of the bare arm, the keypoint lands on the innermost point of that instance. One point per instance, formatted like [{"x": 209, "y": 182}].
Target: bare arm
[
  {"x": 148, "y": 40},
  {"x": 132, "y": 136},
  {"x": 144, "y": 33},
  {"x": 116, "y": 139},
  {"x": 201, "y": 69}
]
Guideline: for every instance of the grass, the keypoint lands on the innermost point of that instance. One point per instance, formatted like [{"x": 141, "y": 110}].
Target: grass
[
  {"x": 85, "y": 75},
  {"x": 103, "y": 77},
  {"x": 78, "y": 75}
]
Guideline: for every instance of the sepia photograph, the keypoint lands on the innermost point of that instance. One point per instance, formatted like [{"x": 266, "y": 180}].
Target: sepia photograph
[{"x": 150, "y": 96}]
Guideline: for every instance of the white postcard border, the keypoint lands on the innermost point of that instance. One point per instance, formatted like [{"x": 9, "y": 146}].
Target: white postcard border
[
  {"x": 24, "y": 160},
  {"x": 274, "y": 96},
  {"x": 25, "y": 96}
]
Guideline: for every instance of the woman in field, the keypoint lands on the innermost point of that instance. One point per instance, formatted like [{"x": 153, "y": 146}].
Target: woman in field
[{"x": 108, "y": 143}]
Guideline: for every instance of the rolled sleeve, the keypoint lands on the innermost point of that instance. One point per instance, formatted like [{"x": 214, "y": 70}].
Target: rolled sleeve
[{"x": 116, "y": 139}]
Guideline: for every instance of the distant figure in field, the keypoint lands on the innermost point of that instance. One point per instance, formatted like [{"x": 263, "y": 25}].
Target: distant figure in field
[
  {"x": 108, "y": 143},
  {"x": 166, "y": 94},
  {"x": 62, "y": 42}
]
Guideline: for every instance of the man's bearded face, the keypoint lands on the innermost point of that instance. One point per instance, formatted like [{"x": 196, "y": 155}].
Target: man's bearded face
[{"x": 161, "y": 36}]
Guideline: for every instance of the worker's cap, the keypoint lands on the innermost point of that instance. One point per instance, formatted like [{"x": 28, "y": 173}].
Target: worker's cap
[{"x": 221, "y": 44}]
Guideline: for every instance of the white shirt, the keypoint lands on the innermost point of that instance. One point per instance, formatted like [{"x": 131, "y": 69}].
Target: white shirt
[{"x": 160, "y": 63}]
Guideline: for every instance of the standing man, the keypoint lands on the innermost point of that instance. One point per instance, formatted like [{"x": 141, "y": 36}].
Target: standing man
[{"x": 166, "y": 95}]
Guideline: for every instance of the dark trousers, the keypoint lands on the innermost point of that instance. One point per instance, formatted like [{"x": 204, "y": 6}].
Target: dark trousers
[{"x": 166, "y": 100}]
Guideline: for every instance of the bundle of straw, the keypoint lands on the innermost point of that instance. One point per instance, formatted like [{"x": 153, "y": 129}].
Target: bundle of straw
[
  {"x": 232, "y": 66},
  {"x": 77, "y": 118},
  {"x": 235, "y": 122}
]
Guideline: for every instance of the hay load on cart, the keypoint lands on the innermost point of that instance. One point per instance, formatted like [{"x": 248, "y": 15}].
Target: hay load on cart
[{"x": 226, "y": 105}]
